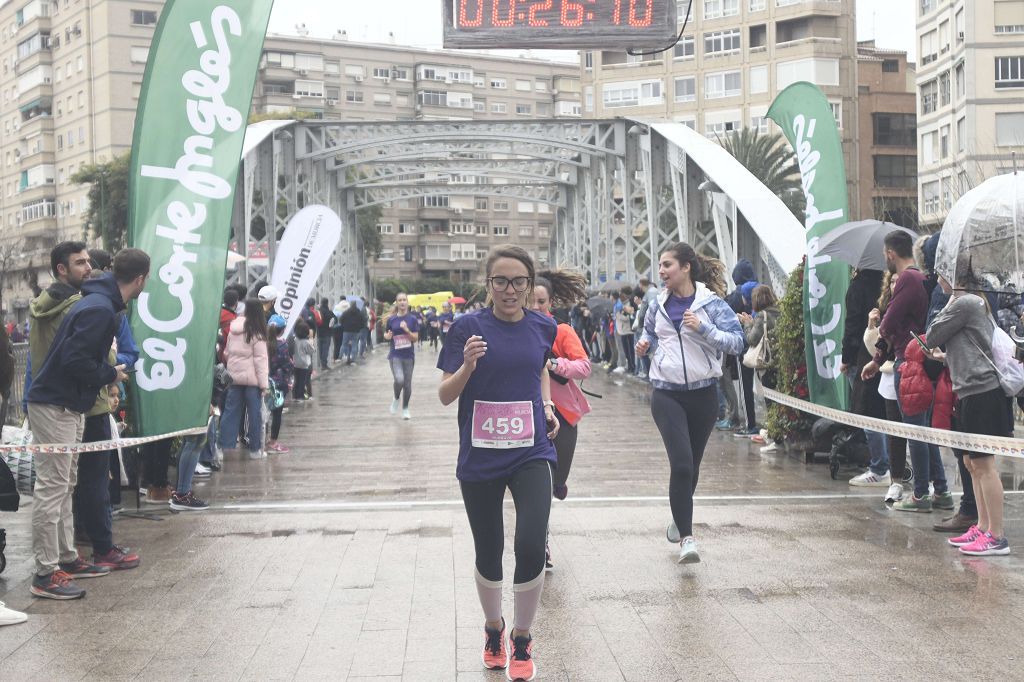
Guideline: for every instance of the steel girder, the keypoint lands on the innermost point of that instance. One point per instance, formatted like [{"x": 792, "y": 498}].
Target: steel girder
[{"x": 377, "y": 194}]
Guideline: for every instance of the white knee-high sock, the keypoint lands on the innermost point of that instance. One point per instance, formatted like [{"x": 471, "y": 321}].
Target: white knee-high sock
[
  {"x": 489, "y": 592},
  {"x": 527, "y": 596}
]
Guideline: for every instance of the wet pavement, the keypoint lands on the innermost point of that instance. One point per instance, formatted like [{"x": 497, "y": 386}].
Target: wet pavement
[{"x": 351, "y": 558}]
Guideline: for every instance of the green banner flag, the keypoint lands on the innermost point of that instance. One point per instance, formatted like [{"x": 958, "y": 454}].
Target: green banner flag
[
  {"x": 806, "y": 119},
  {"x": 189, "y": 130}
]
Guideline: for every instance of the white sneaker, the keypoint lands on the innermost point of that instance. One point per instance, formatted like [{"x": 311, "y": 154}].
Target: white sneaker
[
  {"x": 10, "y": 616},
  {"x": 672, "y": 533},
  {"x": 895, "y": 493},
  {"x": 770, "y": 448},
  {"x": 688, "y": 551},
  {"x": 257, "y": 454},
  {"x": 394, "y": 406},
  {"x": 405, "y": 414},
  {"x": 202, "y": 470},
  {"x": 619, "y": 370},
  {"x": 870, "y": 479}
]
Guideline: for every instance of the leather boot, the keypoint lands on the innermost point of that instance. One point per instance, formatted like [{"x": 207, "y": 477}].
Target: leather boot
[{"x": 957, "y": 523}]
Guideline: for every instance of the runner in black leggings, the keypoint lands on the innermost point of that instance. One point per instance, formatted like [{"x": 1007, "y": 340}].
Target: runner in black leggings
[
  {"x": 568, "y": 361},
  {"x": 688, "y": 328},
  {"x": 494, "y": 364}
]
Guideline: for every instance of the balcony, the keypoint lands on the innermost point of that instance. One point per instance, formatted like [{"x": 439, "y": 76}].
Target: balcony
[
  {"x": 39, "y": 96},
  {"x": 434, "y": 213},
  {"x": 40, "y": 22},
  {"x": 30, "y": 159},
  {"x": 36, "y": 123},
  {"x": 41, "y": 57}
]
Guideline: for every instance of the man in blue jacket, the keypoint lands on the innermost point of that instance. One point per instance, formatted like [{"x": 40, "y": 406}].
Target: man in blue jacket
[{"x": 64, "y": 389}]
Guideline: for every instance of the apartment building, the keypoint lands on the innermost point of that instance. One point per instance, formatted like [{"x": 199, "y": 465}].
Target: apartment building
[
  {"x": 70, "y": 73},
  {"x": 970, "y": 84},
  {"x": 734, "y": 57},
  {"x": 887, "y": 135},
  {"x": 431, "y": 236}
]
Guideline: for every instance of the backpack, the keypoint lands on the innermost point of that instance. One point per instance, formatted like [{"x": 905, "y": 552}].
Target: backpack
[{"x": 1004, "y": 362}]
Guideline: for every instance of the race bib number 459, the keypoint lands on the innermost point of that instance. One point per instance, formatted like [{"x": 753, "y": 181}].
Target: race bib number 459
[{"x": 499, "y": 426}]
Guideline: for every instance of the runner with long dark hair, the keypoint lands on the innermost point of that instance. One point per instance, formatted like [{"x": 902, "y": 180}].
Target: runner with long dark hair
[
  {"x": 494, "y": 364},
  {"x": 688, "y": 328}
]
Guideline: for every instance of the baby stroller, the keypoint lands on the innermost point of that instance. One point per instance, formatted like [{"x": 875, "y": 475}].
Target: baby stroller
[{"x": 845, "y": 445}]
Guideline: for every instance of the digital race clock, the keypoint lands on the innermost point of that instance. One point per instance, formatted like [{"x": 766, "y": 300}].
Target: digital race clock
[{"x": 559, "y": 24}]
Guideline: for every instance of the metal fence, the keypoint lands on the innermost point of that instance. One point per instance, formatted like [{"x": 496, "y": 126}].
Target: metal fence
[{"x": 15, "y": 415}]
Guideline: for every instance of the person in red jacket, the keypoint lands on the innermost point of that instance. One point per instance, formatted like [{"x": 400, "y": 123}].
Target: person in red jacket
[
  {"x": 568, "y": 361},
  {"x": 925, "y": 389}
]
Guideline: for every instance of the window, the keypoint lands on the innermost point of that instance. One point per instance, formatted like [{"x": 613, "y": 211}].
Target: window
[
  {"x": 499, "y": 108},
  {"x": 686, "y": 89},
  {"x": 81, "y": 135},
  {"x": 947, "y": 193},
  {"x": 961, "y": 133},
  {"x": 501, "y": 205},
  {"x": 523, "y": 109},
  {"x": 1010, "y": 129},
  {"x": 406, "y": 228},
  {"x": 462, "y": 228},
  {"x": 79, "y": 64},
  {"x": 309, "y": 62},
  {"x": 958, "y": 25},
  {"x": 944, "y": 142},
  {"x": 354, "y": 96},
  {"x": 721, "y": 41},
  {"x": 927, "y": 6},
  {"x": 684, "y": 49},
  {"x": 523, "y": 86},
  {"x": 929, "y": 47},
  {"x": 638, "y": 93},
  {"x": 890, "y": 66},
  {"x": 139, "y": 55},
  {"x": 714, "y": 9},
  {"x": 944, "y": 93},
  {"x": 143, "y": 17},
  {"x": 480, "y": 203},
  {"x": 588, "y": 60},
  {"x": 929, "y": 148},
  {"x": 434, "y": 98},
  {"x": 961, "y": 81},
  {"x": 896, "y": 130},
  {"x": 540, "y": 86},
  {"x": 588, "y": 98},
  {"x": 355, "y": 71},
  {"x": 723, "y": 84},
  {"x": 500, "y": 230},
  {"x": 499, "y": 83},
  {"x": 386, "y": 254},
  {"x": 382, "y": 98},
  {"x": 439, "y": 251},
  {"x": 1009, "y": 72},
  {"x": 760, "y": 124},
  {"x": 407, "y": 254},
  {"x": 385, "y": 228},
  {"x": 930, "y": 193},
  {"x": 758, "y": 79},
  {"x": 460, "y": 100},
  {"x": 757, "y": 5},
  {"x": 332, "y": 67},
  {"x": 479, "y": 106},
  {"x": 382, "y": 73},
  {"x": 437, "y": 201},
  {"x": 1009, "y": 16},
  {"x": 312, "y": 89},
  {"x": 526, "y": 230},
  {"x": 817, "y": 71},
  {"x": 37, "y": 210},
  {"x": 929, "y": 97},
  {"x": 717, "y": 129}
]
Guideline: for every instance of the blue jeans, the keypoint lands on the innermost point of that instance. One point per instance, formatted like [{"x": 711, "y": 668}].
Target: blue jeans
[
  {"x": 350, "y": 345},
  {"x": 877, "y": 442},
  {"x": 191, "y": 449},
  {"x": 924, "y": 457},
  {"x": 324, "y": 346},
  {"x": 230, "y": 421}
]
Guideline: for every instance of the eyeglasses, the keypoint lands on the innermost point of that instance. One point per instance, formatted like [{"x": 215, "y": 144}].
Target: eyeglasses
[{"x": 519, "y": 284}]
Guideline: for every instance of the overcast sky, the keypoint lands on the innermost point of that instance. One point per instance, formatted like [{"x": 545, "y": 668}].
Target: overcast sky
[{"x": 418, "y": 22}]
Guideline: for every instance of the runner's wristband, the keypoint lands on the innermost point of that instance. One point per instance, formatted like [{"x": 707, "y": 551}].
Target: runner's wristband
[{"x": 549, "y": 403}]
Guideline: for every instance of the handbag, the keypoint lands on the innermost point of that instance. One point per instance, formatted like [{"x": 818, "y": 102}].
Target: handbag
[
  {"x": 275, "y": 397},
  {"x": 20, "y": 462},
  {"x": 759, "y": 356}
]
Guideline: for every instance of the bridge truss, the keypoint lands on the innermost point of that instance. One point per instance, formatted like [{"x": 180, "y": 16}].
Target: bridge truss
[{"x": 621, "y": 190}]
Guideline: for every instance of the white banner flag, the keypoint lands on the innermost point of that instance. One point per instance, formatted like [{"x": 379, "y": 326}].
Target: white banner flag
[{"x": 307, "y": 245}]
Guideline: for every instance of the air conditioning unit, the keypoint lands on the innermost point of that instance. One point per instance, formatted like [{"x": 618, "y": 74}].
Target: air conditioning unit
[
  {"x": 303, "y": 72},
  {"x": 358, "y": 79},
  {"x": 77, "y": 31},
  {"x": 458, "y": 211},
  {"x": 296, "y": 96},
  {"x": 332, "y": 102}
]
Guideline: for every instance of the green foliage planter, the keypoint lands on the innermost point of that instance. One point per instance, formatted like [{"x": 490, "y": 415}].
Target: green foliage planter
[{"x": 789, "y": 361}]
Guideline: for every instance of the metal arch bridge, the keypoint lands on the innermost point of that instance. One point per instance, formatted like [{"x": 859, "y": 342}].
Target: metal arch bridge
[{"x": 622, "y": 190}]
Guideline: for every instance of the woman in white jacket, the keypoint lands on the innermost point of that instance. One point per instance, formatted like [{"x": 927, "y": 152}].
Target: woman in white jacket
[{"x": 688, "y": 328}]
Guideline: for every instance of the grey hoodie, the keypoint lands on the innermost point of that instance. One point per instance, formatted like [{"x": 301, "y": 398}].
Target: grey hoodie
[{"x": 965, "y": 327}]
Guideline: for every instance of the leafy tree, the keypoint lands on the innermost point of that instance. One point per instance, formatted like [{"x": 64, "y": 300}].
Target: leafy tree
[
  {"x": 108, "y": 200},
  {"x": 366, "y": 221},
  {"x": 770, "y": 160}
]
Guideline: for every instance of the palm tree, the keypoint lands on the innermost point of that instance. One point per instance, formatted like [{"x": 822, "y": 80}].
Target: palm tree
[{"x": 770, "y": 160}]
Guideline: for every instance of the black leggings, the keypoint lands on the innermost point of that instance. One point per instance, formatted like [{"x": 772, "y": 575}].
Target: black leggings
[
  {"x": 531, "y": 491},
  {"x": 685, "y": 420},
  {"x": 275, "y": 422},
  {"x": 747, "y": 380},
  {"x": 565, "y": 447}
]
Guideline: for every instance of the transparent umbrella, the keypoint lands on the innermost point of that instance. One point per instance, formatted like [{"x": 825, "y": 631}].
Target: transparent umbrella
[{"x": 983, "y": 236}]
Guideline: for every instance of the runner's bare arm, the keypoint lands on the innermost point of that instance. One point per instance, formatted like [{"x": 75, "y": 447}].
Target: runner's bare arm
[
  {"x": 452, "y": 385},
  {"x": 549, "y": 411}
]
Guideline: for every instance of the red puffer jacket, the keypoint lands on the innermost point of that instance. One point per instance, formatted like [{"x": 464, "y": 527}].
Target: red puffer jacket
[{"x": 918, "y": 393}]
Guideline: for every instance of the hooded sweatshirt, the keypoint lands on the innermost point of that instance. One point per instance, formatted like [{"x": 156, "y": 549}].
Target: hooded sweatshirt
[
  {"x": 741, "y": 274},
  {"x": 47, "y": 310},
  {"x": 76, "y": 367}
]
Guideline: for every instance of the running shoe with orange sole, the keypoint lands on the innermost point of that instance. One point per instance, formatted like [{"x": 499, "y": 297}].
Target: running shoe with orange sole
[
  {"x": 520, "y": 662},
  {"x": 495, "y": 654}
]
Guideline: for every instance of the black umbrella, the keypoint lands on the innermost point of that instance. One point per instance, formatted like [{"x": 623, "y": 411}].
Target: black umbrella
[
  {"x": 859, "y": 244},
  {"x": 599, "y": 306}
]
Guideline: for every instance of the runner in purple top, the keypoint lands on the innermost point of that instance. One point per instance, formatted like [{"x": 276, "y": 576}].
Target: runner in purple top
[
  {"x": 402, "y": 330},
  {"x": 494, "y": 364}
]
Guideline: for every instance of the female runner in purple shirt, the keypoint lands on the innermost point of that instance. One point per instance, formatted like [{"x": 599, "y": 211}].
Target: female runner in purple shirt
[{"x": 494, "y": 364}]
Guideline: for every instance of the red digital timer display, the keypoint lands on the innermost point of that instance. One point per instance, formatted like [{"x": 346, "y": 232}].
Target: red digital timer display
[{"x": 559, "y": 23}]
